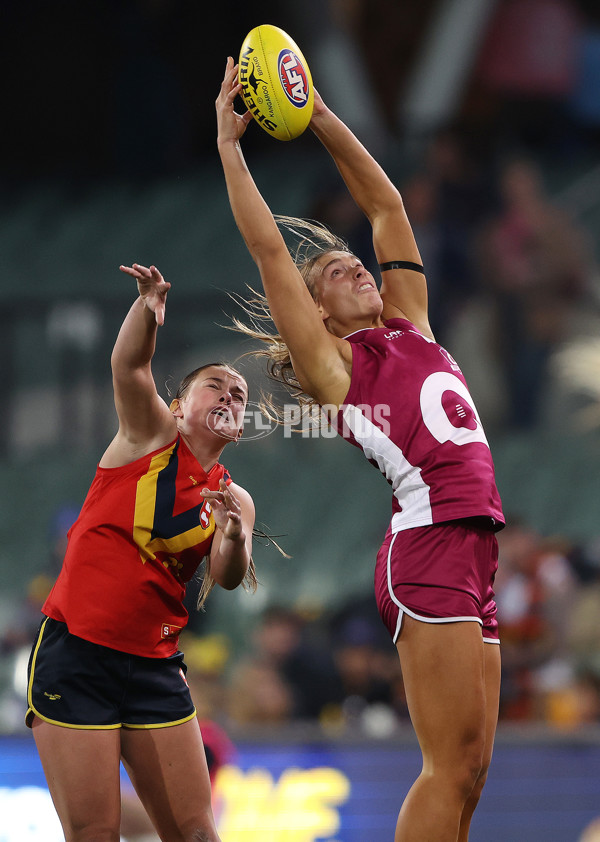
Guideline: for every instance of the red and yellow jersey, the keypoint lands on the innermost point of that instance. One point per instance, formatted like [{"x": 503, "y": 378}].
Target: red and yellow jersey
[{"x": 142, "y": 532}]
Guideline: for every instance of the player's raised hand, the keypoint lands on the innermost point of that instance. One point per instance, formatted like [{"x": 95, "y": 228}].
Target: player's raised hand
[
  {"x": 226, "y": 510},
  {"x": 230, "y": 125},
  {"x": 152, "y": 288}
]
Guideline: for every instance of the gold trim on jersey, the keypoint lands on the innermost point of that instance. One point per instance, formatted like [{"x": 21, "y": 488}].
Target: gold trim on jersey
[{"x": 159, "y": 483}]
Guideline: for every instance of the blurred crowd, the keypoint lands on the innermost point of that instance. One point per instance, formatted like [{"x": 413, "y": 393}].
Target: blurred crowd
[{"x": 336, "y": 668}]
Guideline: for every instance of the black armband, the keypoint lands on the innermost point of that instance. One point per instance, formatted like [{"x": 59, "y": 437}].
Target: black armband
[{"x": 401, "y": 264}]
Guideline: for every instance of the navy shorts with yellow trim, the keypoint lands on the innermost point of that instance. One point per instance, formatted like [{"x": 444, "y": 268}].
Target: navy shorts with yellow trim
[{"x": 78, "y": 684}]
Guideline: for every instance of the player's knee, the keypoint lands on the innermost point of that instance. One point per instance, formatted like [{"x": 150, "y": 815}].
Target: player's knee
[
  {"x": 471, "y": 771},
  {"x": 478, "y": 787},
  {"x": 466, "y": 781},
  {"x": 93, "y": 833},
  {"x": 201, "y": 834},
  {"x": 480, "y": 781}
]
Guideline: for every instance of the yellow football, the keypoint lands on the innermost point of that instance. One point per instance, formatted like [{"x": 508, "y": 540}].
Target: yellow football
[{"x": 276, "y": 82}]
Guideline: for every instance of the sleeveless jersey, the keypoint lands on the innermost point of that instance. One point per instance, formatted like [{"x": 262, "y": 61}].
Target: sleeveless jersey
[
  {"x": 142, "y": 532},
  {"x": 408, "y": 408}
]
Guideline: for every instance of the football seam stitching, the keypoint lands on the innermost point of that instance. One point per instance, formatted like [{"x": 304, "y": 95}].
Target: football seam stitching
[{"x": 267, "y": 71}]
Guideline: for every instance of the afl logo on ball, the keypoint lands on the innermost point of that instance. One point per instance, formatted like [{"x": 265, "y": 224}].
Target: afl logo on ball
[{"x": 293, "y": 77}]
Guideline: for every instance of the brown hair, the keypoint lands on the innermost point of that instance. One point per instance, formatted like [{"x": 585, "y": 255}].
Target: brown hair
[{"x": 187, "y": 381}]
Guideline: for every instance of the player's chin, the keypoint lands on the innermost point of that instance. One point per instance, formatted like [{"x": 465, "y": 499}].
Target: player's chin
[
  {"x": 228, "y": 432},
  {"x": 371, "y": 303}
]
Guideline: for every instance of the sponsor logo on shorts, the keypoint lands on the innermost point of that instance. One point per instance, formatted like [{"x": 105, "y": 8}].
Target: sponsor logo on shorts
[{"x": 53, "y": 696}]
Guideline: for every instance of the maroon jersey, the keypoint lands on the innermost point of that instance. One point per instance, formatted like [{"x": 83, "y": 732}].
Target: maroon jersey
[
  {"x": 142, "y": 532},
  {"x": 408, "y": 408}
]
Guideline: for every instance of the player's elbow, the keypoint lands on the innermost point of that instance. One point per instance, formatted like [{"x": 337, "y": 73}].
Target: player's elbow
[
  {"x": 230, "y": 580},
  {"x": 230, "y": 573}
]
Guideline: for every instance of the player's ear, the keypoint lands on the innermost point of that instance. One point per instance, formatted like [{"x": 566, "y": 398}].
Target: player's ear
[
  {"x": 175, "y": 407},
  {"x": 323, "y": 313}
]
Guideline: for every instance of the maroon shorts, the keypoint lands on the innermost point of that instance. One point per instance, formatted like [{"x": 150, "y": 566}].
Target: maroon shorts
[{"x": 438, "y": 574}]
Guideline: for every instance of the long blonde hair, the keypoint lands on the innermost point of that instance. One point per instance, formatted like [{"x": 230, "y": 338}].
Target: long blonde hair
[{"x": 312, "y": 241}]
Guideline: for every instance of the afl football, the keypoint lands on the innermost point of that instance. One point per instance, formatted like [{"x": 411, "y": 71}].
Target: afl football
[{"x": 276, "y": 82}]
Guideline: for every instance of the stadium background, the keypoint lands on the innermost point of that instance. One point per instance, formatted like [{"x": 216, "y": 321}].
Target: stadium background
[{"x": 110, "y": 157}]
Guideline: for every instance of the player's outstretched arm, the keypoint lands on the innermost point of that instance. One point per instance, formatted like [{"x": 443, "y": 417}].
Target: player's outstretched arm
[
  {"x": 315, "y": 351},
  {"x": 402, "y": 290},
  {"x": 145, "y": 421}
]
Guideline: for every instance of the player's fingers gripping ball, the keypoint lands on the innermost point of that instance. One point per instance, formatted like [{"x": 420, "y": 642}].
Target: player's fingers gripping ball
[{"x": 276, "y": 82}]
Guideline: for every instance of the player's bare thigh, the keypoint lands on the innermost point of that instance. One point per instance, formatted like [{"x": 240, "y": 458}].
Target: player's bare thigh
[
  {"x": 82, "y": 772},
  {"x": 168, "y": 769},
  {"x": 443, "y": 667}
]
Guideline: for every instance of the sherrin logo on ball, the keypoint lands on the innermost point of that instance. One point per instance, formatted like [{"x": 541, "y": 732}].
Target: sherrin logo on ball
[{"x": 276, "y": 82}]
